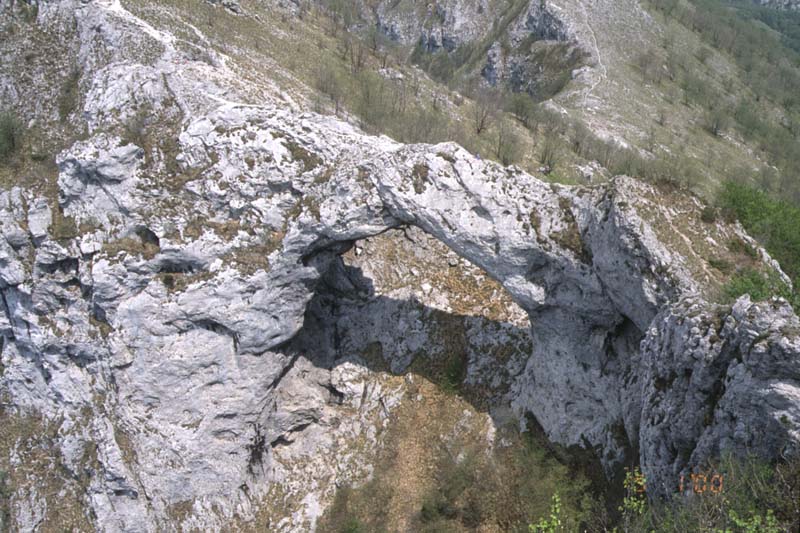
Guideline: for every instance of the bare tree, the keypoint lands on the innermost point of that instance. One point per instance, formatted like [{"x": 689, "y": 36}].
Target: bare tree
[
  {"x": 327, "y": 82},
  {"x": 580, "y": 138},
  {"x": 549, "y": 155},
  {"x": 507, "y": 148},
  {"x": 484, "y": 109},
  {"x": 371, "y": 104},
  {"x": 340, "y": 14},
  {"x": 522, "y": 106},
  {"x": 374, "y": 40},
  {"x": 399, "y": 96},
  {"x": 716, "y": 121},
  {"x": 650, "y": 66},
  {"x": 358, "y": 56},
  {"x": 343, "y": 45},
  {"x": 415, "y": 83},
  {"x": 652, "y": 140}
]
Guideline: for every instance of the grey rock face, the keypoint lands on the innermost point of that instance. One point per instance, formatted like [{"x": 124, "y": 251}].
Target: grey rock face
[
  {"x": 231, "y": 5},
  {"x": 532, "y": 30},
  {"x": 183, "y": 317},
  {"x": 717, "y": 379},
  {"x": 448, "y": 25},
  {"x": 780, "y": 4}
]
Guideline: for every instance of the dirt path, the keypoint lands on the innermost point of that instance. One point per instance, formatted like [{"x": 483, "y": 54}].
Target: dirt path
[{"x": 600, "y": 64}]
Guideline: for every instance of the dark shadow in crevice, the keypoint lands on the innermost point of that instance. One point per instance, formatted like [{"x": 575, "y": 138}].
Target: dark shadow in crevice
[{"x": 347, "y": 321}]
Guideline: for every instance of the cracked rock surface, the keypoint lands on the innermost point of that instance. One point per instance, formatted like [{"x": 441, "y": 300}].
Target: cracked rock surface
[{"x": 204, "y": 324}]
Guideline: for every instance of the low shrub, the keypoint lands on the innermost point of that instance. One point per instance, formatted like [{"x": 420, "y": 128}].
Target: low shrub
[
  {"x": 5, "y": 495},
  {"x": 474, "y": 491},
  {"x": 508, "y": 490},
  {"x": 69, "y": 97},
  {"x": 756, "y": 497},
  {"x": 720, "y": 264},
  {"x": 10, "y": 134},
  {"x": 775, "y": 223},
  {"x": 758, "y": 285},
  {"x": 708, "y": 215}
]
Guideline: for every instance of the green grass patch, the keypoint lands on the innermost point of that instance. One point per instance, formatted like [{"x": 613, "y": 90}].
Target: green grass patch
[
  {"x": 776, "y": 223},
  {"x": 473, "y": 491},
  {"x": 756, "y": 497},
  {"x": 759, "y": 286}
]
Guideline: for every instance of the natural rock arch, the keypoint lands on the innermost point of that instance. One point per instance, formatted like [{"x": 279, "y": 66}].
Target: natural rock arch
[{"x": 165, "y": 385}]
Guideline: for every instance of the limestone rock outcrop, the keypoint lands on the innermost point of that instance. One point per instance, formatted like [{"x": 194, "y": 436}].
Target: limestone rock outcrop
[
  {"x": 518, "y": 37},
  {"x": 708, "y": 374},
  {"x": 181, "y": 325},
  {"x": 780, "y": 4}
]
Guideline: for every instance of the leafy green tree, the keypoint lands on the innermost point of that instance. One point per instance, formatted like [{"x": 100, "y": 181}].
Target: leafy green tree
[{"x": 634, "y": 503}]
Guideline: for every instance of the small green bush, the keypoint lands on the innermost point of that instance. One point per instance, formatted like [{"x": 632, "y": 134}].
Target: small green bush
[
  {"x": 69, "y": 97},
  {"x": 708, "y": 215},
  {"x": 757, "y": 284},
  {"x": 716, "y": 121},
  {"x": 5, "y": 495},
  {"x": 511, "y": 490},
  {"x": 775, "y": 223},
  {"x": 504, "y": 491},
  {"x": 353, "y": 526},
  {"x": 553, "y": 523},
  {"x": 720, "y": 264},
  {"x": 10, "y": 134},
  {"x": 341, "y": 516},
  {"x": 756, "y": 497},
  {"x": 135, "y": 128},
  {"x": 739, "y": 246}
]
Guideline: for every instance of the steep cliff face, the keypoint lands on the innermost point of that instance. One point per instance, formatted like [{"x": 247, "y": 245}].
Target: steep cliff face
[
  {"x": 780, "y": 4},
  {"x": 449, "y": 25},
  {"x": 524, "y": 45},
  {"x": 196, "y": 331},
  {"x": 708, "y": 371}
]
